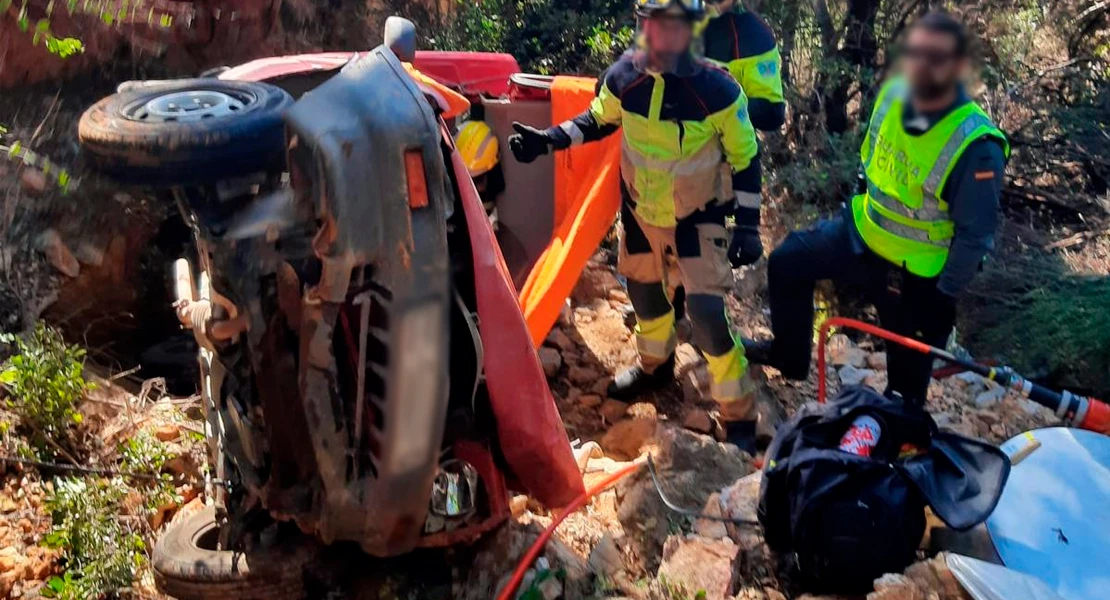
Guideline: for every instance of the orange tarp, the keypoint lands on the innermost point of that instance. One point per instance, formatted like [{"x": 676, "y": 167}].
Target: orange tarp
[
  {"x": 587, "y": 198},
  {"x": 454, "y": 103}
]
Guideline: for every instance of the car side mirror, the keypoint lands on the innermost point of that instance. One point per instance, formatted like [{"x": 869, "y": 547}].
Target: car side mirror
[{"x": 400, "y": 37}]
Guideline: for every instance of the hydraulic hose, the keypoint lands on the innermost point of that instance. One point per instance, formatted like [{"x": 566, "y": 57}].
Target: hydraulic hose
[
  {"x": 1075, "y": 411},
  {"x": 534, "y": 550}
]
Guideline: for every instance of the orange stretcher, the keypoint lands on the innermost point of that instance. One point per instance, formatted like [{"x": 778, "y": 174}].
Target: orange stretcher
[{"x": 587, "y": 198}]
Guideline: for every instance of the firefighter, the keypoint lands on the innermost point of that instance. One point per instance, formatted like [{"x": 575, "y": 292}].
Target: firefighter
[
  {"x": 741, "y": 41},
  {"x": 932, "y": 167},
  {"x": 478, "y": 146},
  {"x": 688, "y": 162}
]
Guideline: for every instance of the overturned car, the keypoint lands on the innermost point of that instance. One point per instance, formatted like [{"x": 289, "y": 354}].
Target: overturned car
[{"x": 365, "y": 369}]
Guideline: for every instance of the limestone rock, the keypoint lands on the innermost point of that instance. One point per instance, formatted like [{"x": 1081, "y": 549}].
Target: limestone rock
[
  {"x": 698, "y": 419},
  {"x": 741, "y": 501},
  {"x": 643, "y": 410},
  {"x": 518, "y": 504},
  {"x": 167, "y": 432},
  {"x": 843, "y": 351},
  {"x": 707, "y": 528},
  {"x": 933, "y": 575},
  {"x": 58, "y": 253},
  {"x": 613, "y": 410},
  {"x": 589, "y": 400},
  {"x": 605, "y": 558},
  {"x": 991, "y": 396},
  {"x": 582, "y": 376},
  {"x": 852, "y": 375},
  {"x": 697, "y": 565},
  {"x": 895, "y": 587},
  {"x": 551, "y": 360},
  {"x": 625, "y": 438}
]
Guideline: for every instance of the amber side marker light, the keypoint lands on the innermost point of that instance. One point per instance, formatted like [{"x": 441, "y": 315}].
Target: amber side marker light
[{"x": 414, "y": 175}]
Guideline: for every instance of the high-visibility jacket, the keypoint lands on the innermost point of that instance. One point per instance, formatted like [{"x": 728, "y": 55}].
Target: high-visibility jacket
[
  {"x": 742, "y": 42},
  {"x": 902, "y": 216},
  {"x": 679, "y": 129}
]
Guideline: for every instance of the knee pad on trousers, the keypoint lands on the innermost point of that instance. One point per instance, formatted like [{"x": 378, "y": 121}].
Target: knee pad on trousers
[{"x": 711, "y": 330}]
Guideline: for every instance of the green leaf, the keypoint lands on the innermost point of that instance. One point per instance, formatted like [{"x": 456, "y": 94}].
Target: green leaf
[
  {"x": 9, "y": 375},
  {"x": 78, "y": 417},
  {"x": 56, "y": 583},
  {"x": 43, "y": 25}
]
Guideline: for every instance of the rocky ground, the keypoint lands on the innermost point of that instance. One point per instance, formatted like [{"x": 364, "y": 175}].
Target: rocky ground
[
  {"x": 632, "y": 544},
  {"x": 115, "y": 411},
  {"x": 625, "y": 543}
]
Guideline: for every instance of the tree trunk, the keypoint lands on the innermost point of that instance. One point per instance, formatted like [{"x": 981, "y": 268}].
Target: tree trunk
[{"x": 857, "y": 51}]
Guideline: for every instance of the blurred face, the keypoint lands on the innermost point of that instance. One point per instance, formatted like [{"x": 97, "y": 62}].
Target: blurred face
[
  {"x": 668, "y": 38},
  {"x": 931, "y": 64}
]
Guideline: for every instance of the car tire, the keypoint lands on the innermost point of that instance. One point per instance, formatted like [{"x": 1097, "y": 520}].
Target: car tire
[
  {"x": 187, "y": 567},
  {"x": 186, "y": 131}
]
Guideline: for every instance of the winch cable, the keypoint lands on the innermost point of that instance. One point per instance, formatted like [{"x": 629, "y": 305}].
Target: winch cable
[
  {"x": 534, "y": 550},
  {"x": 1074, "y": 410},
  {"x": 687, "y": 511}
]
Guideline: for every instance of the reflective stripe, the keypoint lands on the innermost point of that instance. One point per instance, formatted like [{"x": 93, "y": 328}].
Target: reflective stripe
[
  {"x": 950, "y": 153},
  {"x": 729, "y": 391},
  {"x": 660, "y": 349},
  {"x": 928, "y": 232},
  {"x": 930, "y": 207},
  {"x": 656, "y": 338},
  {"x": 892, "y": 91},
  {"x": 748, "y": 199},
  {"x": 571, "y": 129},
  {"x": 705, "y": 160},
  {"x": 729, "y": 373}
]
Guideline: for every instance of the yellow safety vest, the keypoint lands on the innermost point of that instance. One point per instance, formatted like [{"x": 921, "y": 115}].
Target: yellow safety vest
[{"x": 902, "y": 217}]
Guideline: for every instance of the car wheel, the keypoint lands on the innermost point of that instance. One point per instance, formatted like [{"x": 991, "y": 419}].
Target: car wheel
[
  {"x": 188, "y": 565},
  {"x": 187, "y": 131}
]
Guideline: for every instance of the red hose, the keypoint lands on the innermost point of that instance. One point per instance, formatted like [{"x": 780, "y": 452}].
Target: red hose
[
  {"x": 537, "y": 547},
  {"x": 823, "y": 336}
]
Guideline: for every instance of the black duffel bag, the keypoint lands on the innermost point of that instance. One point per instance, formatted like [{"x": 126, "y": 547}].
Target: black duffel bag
[{"x": 851, "y": 516}]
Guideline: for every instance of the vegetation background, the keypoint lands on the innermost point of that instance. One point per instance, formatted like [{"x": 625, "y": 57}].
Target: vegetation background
[{"x": 1042, "y": 302}]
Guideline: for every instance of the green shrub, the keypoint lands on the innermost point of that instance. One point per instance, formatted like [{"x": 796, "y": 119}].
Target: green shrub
[
  {"x": 145, "y": 454},
  {"x": 1045, "y": 323},
  {"x": 545, "y": 36},
  {"x": 100, "y": 554},
  {"x": 45, "y": 381}
]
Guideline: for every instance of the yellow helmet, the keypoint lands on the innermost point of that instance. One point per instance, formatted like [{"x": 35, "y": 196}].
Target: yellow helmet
[{"x": 478, "y": 146}]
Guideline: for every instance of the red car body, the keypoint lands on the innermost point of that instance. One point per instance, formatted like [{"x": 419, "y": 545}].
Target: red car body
[{"x": 531, "y": 435}]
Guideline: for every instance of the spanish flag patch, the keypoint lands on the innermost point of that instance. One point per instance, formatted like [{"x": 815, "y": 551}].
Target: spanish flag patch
[{"x": 984, "y": 175}]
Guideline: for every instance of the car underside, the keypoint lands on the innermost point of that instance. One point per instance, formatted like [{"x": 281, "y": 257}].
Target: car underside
[{"x": 335, "y": 300}]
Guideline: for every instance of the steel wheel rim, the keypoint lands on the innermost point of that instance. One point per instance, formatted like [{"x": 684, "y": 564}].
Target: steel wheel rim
[{"x": 187, "y": 106}]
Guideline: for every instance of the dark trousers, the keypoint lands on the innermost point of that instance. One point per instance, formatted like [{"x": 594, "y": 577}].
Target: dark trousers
[{"x": 907, "y": 304}]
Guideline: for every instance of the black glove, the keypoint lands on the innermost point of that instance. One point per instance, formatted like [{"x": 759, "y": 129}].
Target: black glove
[
  {"x": 528, "y": 143},
  {"x": 746, "y": 247}
]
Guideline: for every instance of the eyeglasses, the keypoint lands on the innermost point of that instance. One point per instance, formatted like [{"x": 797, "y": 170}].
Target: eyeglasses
[{"x": 930, "y": 56}]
